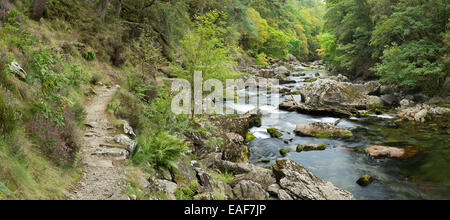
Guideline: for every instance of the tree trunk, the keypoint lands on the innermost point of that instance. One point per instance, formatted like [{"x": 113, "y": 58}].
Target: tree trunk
[
  {"x": 101, "y": 9},
  {"x": 38, "y": 9}
]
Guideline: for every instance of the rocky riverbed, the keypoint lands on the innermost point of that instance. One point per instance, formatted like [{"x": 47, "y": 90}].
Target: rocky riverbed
[{"x": 327, "y": 138}]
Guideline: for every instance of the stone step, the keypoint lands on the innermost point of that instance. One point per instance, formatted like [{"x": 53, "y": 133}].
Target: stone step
[{"x": 113, "y": 152}]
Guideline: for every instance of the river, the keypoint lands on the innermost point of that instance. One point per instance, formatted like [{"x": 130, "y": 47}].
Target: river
[{"x": 425, "y": 176}]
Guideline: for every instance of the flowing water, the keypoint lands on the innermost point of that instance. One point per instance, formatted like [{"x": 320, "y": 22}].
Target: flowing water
[{"x": 425, "y": 176}]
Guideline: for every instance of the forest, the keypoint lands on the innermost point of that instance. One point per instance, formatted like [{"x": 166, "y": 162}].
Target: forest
[{"x": 86, "y": 97}]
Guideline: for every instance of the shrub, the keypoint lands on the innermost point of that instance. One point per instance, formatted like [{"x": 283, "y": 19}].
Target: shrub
[
  {"x": 9, "y": 116},
  {"x": 96, "y": 78},
  {"x": 76, "y": 76},
  {"x": 160, "y": 150},
  {"x": 88, "y": 55},
  {"x": 261, "y": 59},
  {"x": 141, "y": 87},
  {"x": 52, "y": 141}
]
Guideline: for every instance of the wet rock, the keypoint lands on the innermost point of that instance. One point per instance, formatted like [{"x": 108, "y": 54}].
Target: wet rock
[
  {"x": 274, "y": 133},
  {"x": 284, "y": 152},
  {"x": 311, "y": 147},
  {"x": 329, "y": 111},
  {"x": 380, "y": 151},
  {"x": 300, "y": 184},
  {"x": 249, "y": 190},
  {"x": 365, "y": 180},
  {"x": 286, "y": 81},
  {"x": 322, "y": 130},
  {"x": 284, "y": 90}
]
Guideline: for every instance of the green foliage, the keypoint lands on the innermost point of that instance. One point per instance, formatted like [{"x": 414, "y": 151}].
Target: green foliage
[
  {"x": 222, "y": 177},
  {"x": 400, "y": 41},
  {"x": 88, "y": 55},
  {"x": 261, "y": 59},
  {"x": 186, "y": 192},
  {"x": 3, "y": 189},
  {"x": 14, "y": 35},
  {"x": 411, "y": 64},
  {"x": 9, "y": 115},
  {"x": 160, "y": 149},
  {"x": 141, "y": 87},
  {"x": 295, "y": 47},
  {"x": 205, "y": 49}
]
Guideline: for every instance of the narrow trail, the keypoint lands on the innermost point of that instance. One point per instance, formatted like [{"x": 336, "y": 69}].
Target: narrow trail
[{"x": 103, "y": 173}]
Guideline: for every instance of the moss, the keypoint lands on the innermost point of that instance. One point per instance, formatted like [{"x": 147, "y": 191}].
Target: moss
[
  {"x": 281, "y": 163},
  {"x": 246, "y": 153},
  {"x": 322, "y": 147},
  {"x": 444, "y": 105},
  {"x": 258, "y": 123},
  {"x": 365, "y": 180},
  {"x": 347, "y": 134},
  {"x": 274, "y": 133},
  {"x": 250, "y": 137},
  {"x": 374, "y": 106},
  {"x": 299, "y": 148},
  {"x": 284, "y": 152},
  {"x": 322, "y": 135}
]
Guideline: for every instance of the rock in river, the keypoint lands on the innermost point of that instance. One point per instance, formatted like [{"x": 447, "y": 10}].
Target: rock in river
[
  {"x": 325, "y": 93},
  {"x": 380, "y": 151},
  {"x": 322, "y": 130}
]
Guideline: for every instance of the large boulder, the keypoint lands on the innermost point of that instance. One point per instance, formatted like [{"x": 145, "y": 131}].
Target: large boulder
[
  {"x": 300, "y": 184},
  {"x": 322, "y": 130},
  {"x": 327, "y": 93},
  {"x": 279, "y": 71}
]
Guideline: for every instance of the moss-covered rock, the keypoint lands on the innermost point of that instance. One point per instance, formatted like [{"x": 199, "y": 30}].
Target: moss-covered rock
[
  {"x": 250, "y": 137},
  {"x": 311, "y": 147},
  {"x": 322, "y": 130},
  {"x": 274, "y": 133},
  {"x": 284, "y": 152},
  {"x": 365, "y": 180}
]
